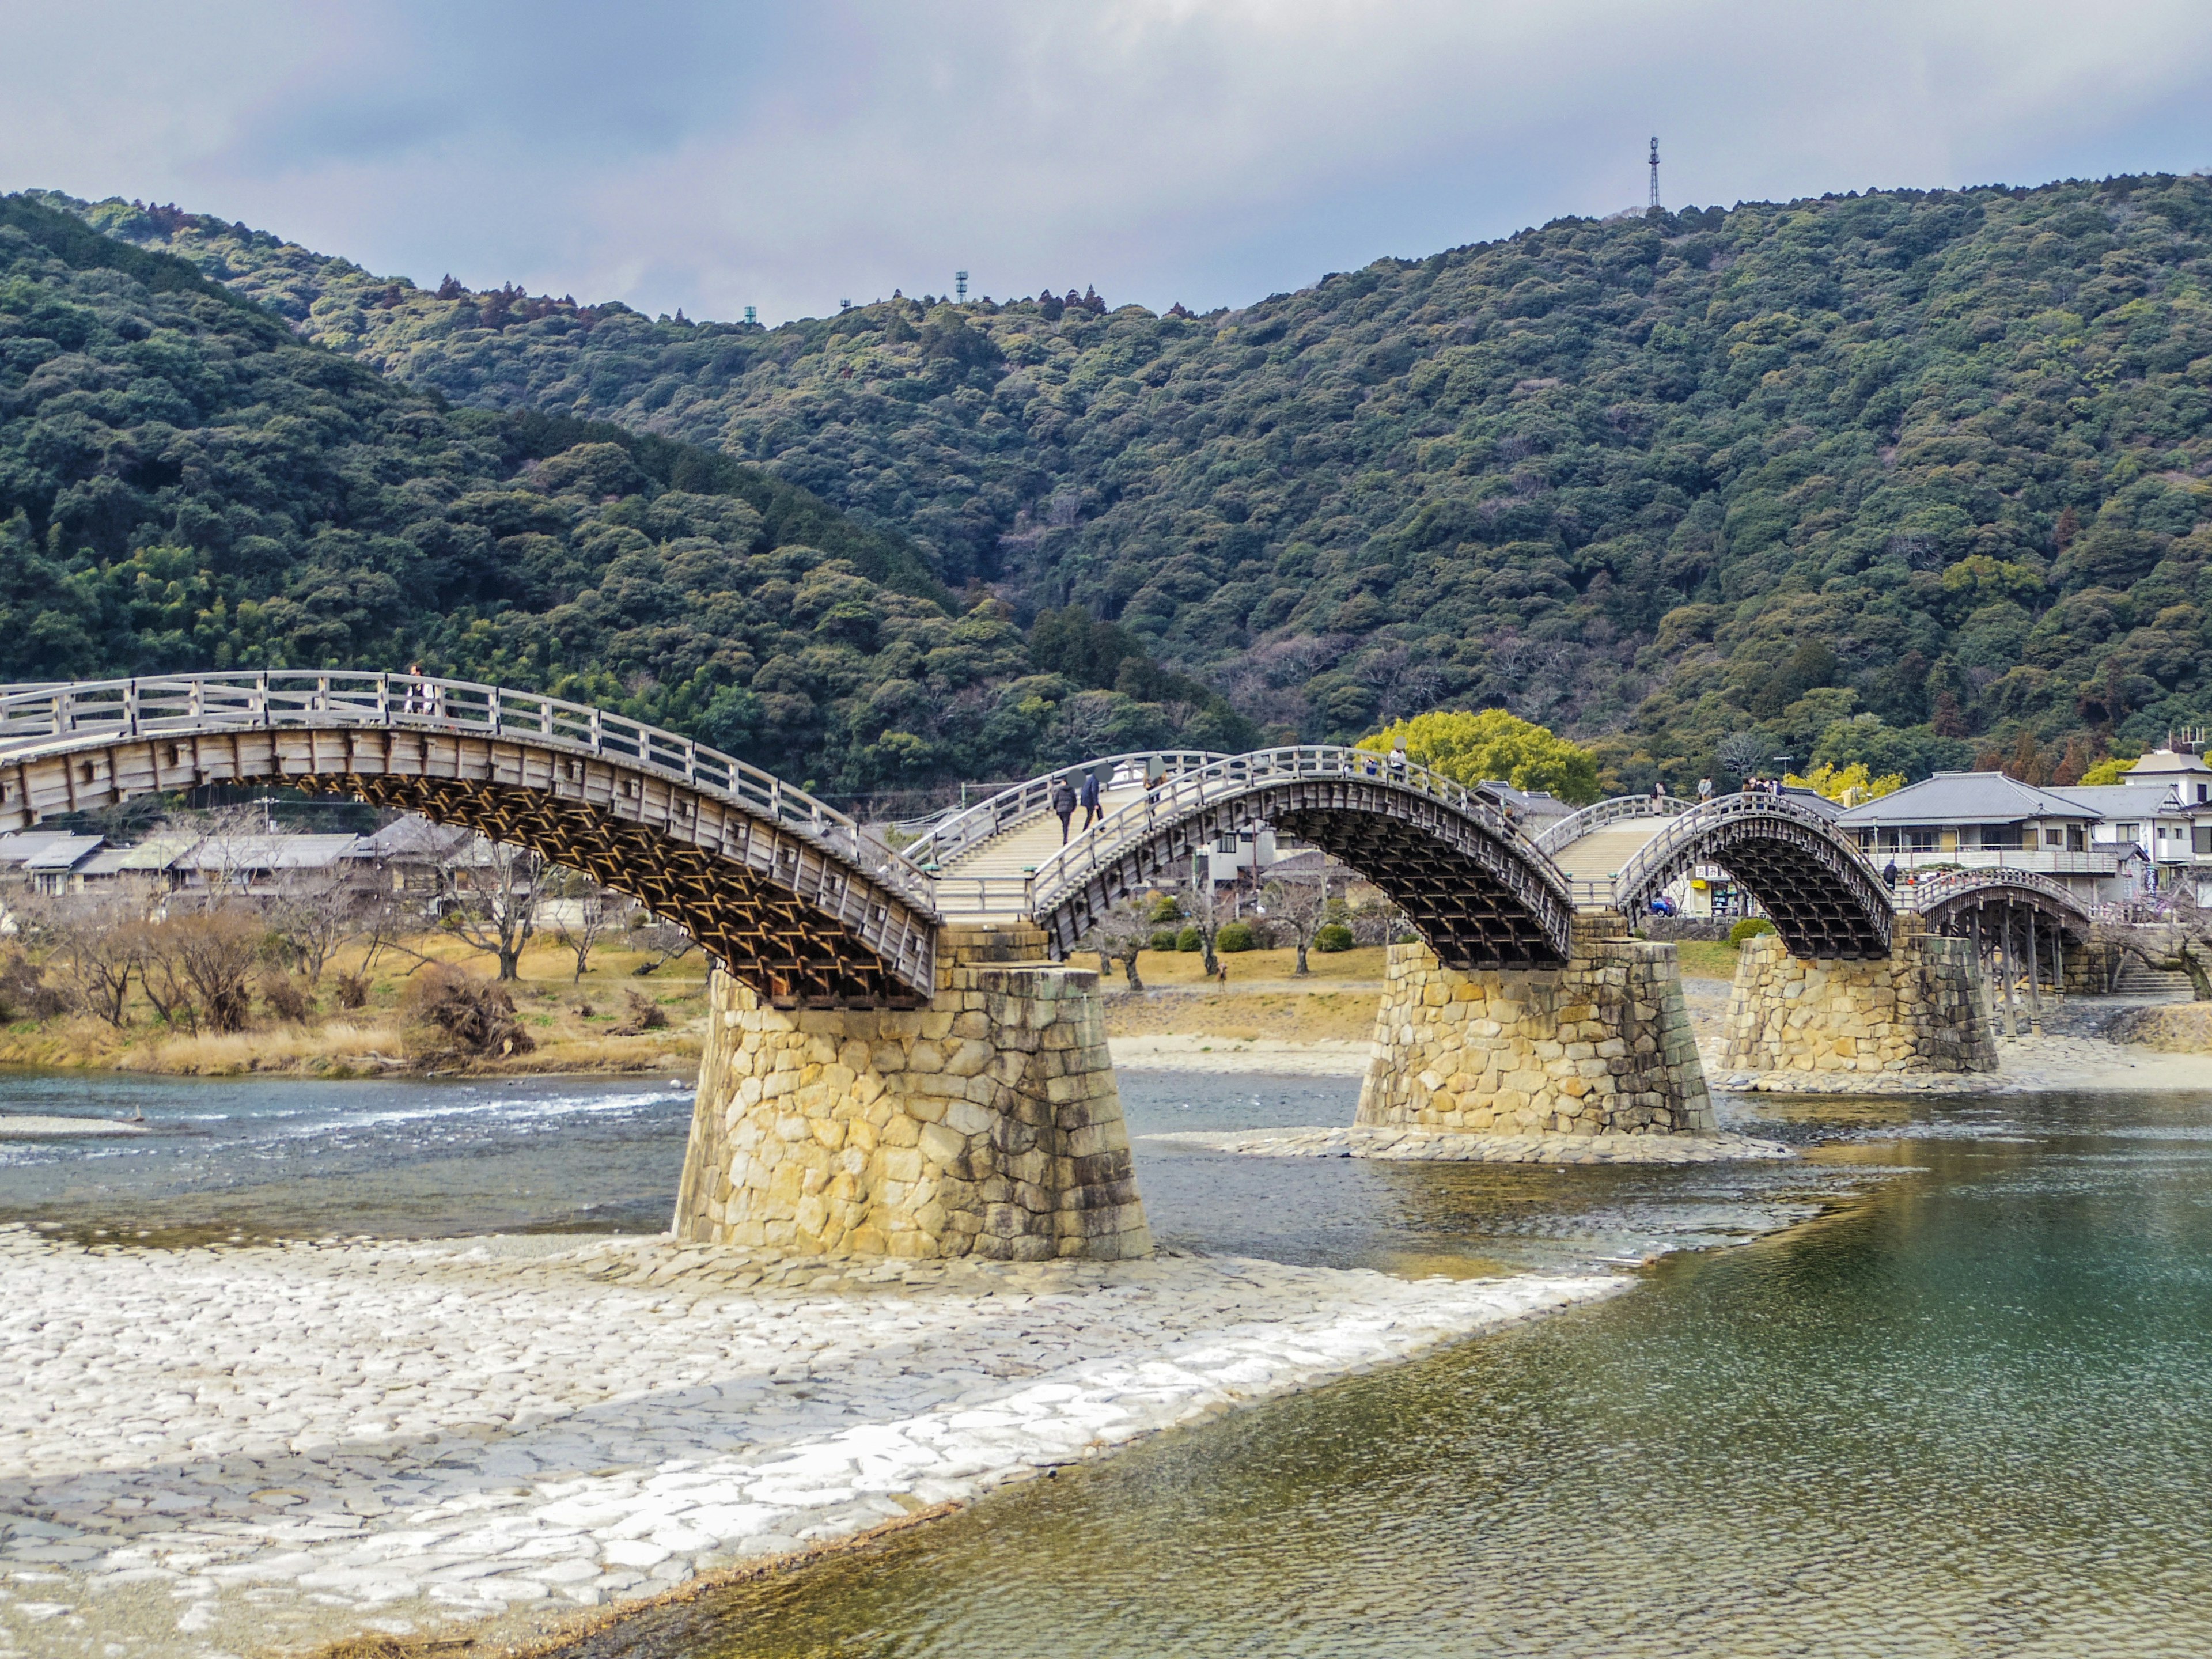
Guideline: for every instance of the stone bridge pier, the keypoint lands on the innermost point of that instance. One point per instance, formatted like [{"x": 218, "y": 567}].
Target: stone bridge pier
[
  {"x": 1601, "y": 1046},
  {"x": 1923, "y": 1008},
  {"x": 985, "y": 1124}
]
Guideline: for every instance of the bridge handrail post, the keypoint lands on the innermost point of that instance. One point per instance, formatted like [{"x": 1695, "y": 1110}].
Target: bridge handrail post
[{"x": 130, "y": 708}]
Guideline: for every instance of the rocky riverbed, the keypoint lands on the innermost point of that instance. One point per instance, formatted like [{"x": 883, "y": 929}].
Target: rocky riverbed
[{"x": 233, "y": 1451}]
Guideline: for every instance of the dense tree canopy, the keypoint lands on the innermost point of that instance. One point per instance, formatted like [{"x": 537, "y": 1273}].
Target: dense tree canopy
[
  {"x": 186, "y": 485},
  {"x": 1894, "y": 478},
  {"x": 1471, "y": 748}
]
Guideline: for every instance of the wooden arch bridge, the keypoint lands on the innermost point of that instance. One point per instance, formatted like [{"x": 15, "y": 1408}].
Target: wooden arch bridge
[{"x": 796, "y": 900}]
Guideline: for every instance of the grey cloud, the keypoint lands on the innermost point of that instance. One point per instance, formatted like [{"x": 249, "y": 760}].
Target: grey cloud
[{"x": 713, "y": 156}]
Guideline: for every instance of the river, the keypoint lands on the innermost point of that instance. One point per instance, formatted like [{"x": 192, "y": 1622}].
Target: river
[{"x": 1960, "y": 1405}]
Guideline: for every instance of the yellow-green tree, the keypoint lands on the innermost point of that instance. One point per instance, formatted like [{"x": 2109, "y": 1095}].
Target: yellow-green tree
[
  {"x": 2106, "y": 772},
  {"x": 1470, "y": 748},
  {"x": 1837, "y": 783}
]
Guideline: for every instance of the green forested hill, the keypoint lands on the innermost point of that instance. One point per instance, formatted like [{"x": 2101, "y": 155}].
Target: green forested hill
[
  {"x": 186, "y": 484},
  {"x": 1897, "y": 477}
]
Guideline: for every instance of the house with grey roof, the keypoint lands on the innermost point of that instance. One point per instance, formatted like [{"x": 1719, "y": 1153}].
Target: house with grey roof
[{"x": 1985, "y": 820}]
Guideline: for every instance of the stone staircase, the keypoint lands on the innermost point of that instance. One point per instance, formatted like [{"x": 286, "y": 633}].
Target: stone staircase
[{"x": 2166, "y": 985}]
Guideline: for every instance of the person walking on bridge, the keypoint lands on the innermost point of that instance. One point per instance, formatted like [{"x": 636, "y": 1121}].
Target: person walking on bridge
[
  {"x": 1087, "y": 797},
  {"x": 1063, "y": 805}
]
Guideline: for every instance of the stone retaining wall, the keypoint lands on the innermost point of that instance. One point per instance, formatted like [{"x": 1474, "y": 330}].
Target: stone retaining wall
[
  {"x": 1601, "y": 1046},
  {"x": 988, "y": 1124},
  {"x": 1924, "y": 1007}
]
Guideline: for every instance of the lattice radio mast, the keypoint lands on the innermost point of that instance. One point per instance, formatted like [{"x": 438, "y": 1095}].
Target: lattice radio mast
[
  {"x": 960, "y": 284},
  {"x": 1655, "y": 169}
]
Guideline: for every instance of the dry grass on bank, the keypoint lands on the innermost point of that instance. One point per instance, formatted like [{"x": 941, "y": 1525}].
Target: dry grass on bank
[
  {"x": 2173, "y": 1027},
  {"x": 1263, "y": 999},
  {"x": 1708, "y": 959},
  {"x": 572, "y": 1027}
]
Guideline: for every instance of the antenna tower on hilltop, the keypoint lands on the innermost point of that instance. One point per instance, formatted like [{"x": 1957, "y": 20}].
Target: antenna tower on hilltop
[
  {"x": 960, "y": 283},
  {"x": 1655, "y": 169}
]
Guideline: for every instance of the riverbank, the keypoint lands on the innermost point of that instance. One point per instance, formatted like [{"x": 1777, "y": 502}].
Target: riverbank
[
  {"x": 238, "y": 1450},
  {"x": 612, "y": 1021}
]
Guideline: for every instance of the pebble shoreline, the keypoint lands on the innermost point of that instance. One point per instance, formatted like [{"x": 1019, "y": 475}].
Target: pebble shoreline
[{"x": 210, "y": 1452}]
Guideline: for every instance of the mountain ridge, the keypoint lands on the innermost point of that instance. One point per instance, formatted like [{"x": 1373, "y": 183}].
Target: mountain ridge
[{"x": 1899, "y": 477}]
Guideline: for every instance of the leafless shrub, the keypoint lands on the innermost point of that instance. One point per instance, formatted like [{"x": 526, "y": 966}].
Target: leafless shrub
[
  {"x": 283, "y": 999},
  {"x": 476, "y": 1016},
  {"x": 353, "y": 991},
  {"x": 24, "y": 993},
  {"x": 644, "y": 1015}
]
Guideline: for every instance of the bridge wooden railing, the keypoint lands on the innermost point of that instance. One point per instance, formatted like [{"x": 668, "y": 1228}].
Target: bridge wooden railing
[
  {"x": 1665, "y": 848},
  {"x": 1572, "y": 828},
  {"x": 37, "y": 716},
  {"x": 1927, "y": 891},
  {"x": 950, "y": 836}
]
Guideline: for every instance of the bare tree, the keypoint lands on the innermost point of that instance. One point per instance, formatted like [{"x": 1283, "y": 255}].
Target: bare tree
[
  {"x": 1118, "y": 936},
  {"x": 491, "y": 901},
  {"x": 584, "y": 913},
  {"x": 1299, "y": 901},
  {"x": 95, "y": 941},
  {"x": 197, "y": 963},
  {"x": 1203, "y": 905},
  {"x": 665, "y": 940},
  {"x": 315, "y": 916}
]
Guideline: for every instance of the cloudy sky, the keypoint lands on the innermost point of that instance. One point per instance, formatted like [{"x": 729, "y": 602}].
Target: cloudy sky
[{"x": 671, "y": 153}]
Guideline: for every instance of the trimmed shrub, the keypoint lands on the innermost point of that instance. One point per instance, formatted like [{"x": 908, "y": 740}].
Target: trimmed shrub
[
  {"x": 1749, "y": 927},
  {"x": 1332, "y": 937},
  {"x": 1164, "y": 939},
  {"x": 1190, "y": 939},
  {"x": 1236, "y": 936}
]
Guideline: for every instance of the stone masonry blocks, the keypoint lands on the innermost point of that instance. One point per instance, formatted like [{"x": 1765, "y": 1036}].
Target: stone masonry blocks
[
  {"x": 1924, "y": 1007},
  {"x": 1601, "y": 1046},
  {"x": 987, "y": 1125}
]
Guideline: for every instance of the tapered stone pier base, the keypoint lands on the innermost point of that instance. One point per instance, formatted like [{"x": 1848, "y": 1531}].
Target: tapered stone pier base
[
  {"x": 988, "y": 1124},
  {"x": 1601, "y": 1046},
  {"x": 1924, "y": 1007}
]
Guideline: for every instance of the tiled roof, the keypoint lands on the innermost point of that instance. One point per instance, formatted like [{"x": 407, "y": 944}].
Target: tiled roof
[{"x": 1963, "y": 798}]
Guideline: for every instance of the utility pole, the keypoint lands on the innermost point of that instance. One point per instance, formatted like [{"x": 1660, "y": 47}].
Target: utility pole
[{"x": 1655, "y": 169}]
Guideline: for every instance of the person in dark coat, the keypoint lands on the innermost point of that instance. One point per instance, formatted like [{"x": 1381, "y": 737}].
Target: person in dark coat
[
  {"x": 1889, "y": 875},
  {"x": 1063, "y": 805},
  {"x": 1087, "y": 798}
]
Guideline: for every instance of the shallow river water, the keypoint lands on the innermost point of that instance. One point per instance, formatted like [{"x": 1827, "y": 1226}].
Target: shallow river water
[{"x": 1961, "y": 1406}]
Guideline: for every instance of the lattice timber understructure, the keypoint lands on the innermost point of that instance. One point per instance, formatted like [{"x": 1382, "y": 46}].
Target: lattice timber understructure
[
  {"x": 1475, "y": 889},
  {"x": 1824, "y": 900},
  {"x": 779, "y": 887}
]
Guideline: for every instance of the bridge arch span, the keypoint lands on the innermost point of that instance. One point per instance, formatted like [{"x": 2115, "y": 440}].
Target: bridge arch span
[
  {"x": 1950, "y": 899},
  {"x": 1824, "y": 901},
  {"x": 1473, "y": 887},
  {"x": 780, "y": 887}
]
